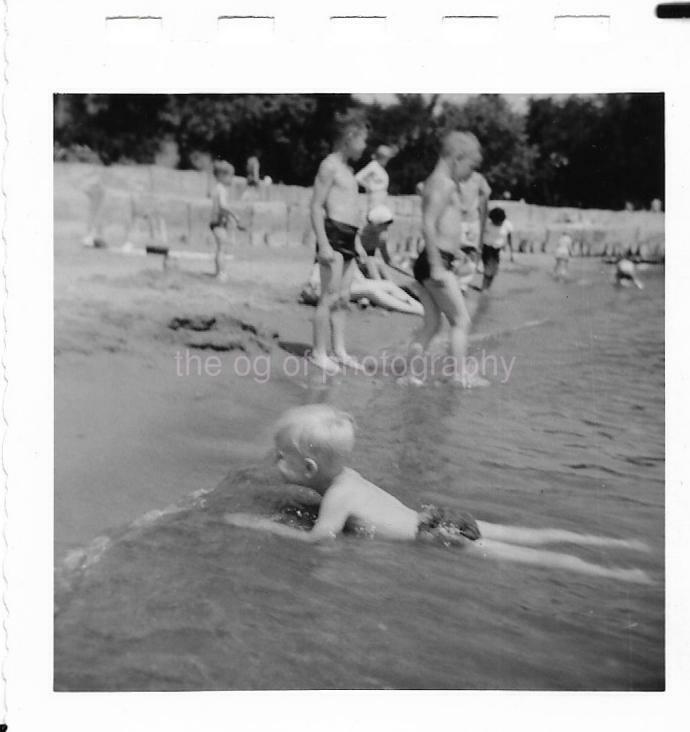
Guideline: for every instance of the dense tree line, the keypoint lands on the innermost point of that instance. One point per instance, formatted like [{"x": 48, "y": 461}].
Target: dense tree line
[{"x": 591, "y": 151}]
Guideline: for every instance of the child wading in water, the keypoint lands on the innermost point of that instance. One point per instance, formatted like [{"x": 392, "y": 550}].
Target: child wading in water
[
  {"x": 313, "y": 446},
  {"x": 222, "y": 218},
  {"x": 443, "y": 226},
  {"x": 497, "y": 233},
  {"x": 335, "y": 218}
]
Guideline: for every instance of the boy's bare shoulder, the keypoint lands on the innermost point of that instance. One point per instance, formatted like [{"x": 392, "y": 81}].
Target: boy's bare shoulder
[
  {"x": 438, "y": 185},
  {"x": 439, "y": 182},
  {"x": 329, "y": 164},
  {"x": 349, "y": 481}
]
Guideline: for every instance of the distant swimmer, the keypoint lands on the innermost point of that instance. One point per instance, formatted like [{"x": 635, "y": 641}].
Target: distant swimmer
[
  {"x": 564, "y": 250},
  {"x": 626, "y": 274},
  {"x": 313, "y": 446},
  {"x": 442, "y": 226}
]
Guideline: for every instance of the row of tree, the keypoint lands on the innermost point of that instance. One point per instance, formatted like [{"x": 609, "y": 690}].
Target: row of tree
[{"x": 601, "y": 151}]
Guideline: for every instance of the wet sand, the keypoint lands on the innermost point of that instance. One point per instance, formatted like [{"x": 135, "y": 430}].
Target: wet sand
[{"x": 131, "y": 433}]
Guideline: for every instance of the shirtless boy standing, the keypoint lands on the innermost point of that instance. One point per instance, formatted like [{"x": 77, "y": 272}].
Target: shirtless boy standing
[
  {"x": 335, "y": 217},
  {"x": 442, "y": 226}
]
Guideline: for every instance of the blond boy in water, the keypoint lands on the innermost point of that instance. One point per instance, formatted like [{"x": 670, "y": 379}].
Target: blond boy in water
[
  {"x": 313, "y": 448},
  {"x": 443, "y": 226}
]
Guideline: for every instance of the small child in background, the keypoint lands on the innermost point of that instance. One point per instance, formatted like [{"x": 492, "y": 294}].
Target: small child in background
[
  {"x": 223, "y": 220},
  {"x": 314, "y": 444},
  {"x": 564, "y": 249},
  {"x": 373, "y": 177},
  {"x": 473, "y": 196},
  {"x": 498, "y": 232}
]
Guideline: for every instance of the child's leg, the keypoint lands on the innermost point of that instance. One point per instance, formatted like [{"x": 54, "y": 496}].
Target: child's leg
[
  {"x": 392, "y": 290},
  {"x": 339, "y": 314},
  {"x": 432, "y": 320},
  {"x": 331, "y": 275},
  {"x": 538, "y": 537},
  {"x": 379, "y": 292},
  {"x": 220, "y": 239},
  {"x": 315, "y": 277},
  {"x": 555, "y": 560},
  {"x": 451, "y": 302}
]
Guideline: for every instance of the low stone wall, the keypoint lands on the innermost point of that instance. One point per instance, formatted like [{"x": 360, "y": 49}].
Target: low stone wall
[{"x": 130, "y": 202}]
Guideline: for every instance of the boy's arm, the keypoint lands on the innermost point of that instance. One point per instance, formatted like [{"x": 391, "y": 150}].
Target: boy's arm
[
  {"x": 509, "y": 240},
  {"x": 362, "y": 256},
  {"x": 362, "y": 176},
  {"x": 484, "y": 195},
  {"x": 322, "y": 185},
  {"x": 247, "y": 521},
  {"x": 332, "y": 517},
  {"x": 234, "y": 217},
  {"x": 434, "y": 202}
]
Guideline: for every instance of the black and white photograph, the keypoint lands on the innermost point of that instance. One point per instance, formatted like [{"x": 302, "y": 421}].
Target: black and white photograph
[
  {"x": 343, "y": 378},
  {"x": 359, "y": 391}
]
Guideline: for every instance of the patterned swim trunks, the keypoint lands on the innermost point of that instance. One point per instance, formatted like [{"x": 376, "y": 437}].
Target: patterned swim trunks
[{"x": 446, "y": 526}]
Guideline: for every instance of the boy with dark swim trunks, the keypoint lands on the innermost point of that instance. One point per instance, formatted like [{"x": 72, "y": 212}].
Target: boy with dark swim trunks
[
  {"x": 223, "y": 220},
  {"x": 313, "y": 445},
  {"x": 443, "y": 228},
  {"x": 335, "y": 217}
]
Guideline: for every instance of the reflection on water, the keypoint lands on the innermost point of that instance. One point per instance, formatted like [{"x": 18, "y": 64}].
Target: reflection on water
[{"x": 574, "y": 440}]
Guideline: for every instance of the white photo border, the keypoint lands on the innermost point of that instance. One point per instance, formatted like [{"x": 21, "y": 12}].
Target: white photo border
[{"x": 63, "y": 47}]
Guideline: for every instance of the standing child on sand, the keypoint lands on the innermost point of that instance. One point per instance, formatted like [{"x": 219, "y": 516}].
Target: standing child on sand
[
  {"x": 497, "y": 233},
  {"x": 313, "y": 445},
  {"x": 221, "y": 215},
  {"x": 442, "y": 226},
  {"x": 564, "y": 249},
  {"x": 335, "y": 218}
]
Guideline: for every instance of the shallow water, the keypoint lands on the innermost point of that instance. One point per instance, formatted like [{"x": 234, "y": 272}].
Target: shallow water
[{"x": 574, "y": 440}]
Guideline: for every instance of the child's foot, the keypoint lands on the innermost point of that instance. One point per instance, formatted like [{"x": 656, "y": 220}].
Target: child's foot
[
  {"x": 325, "y": 363},
  {"x": 348, "y": 362},
  {"x": 409, "y": 381},
  {"x": 467, "y": 381},
  {"x": 415, "y": 349}
]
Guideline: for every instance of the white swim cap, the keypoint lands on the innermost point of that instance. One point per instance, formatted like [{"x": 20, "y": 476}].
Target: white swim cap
[{"x": 380, "y": 215}]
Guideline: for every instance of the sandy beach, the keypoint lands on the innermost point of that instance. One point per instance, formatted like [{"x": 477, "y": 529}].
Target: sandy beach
[
  {"x": 134, "y": 435},
  {"x": 573, "y": 439}
]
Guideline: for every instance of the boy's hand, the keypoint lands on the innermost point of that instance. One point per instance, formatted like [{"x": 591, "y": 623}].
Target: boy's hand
[
  {"x": 326, "y": 255},
  {"x": 438, "y": 274}
]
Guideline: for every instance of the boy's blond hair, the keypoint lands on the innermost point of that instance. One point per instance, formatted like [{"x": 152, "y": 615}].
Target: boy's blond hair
[
  {"x": 457, "y": 144},
  {"x": 223, "y": 167},
  {"x": 320, "y": 432}
]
